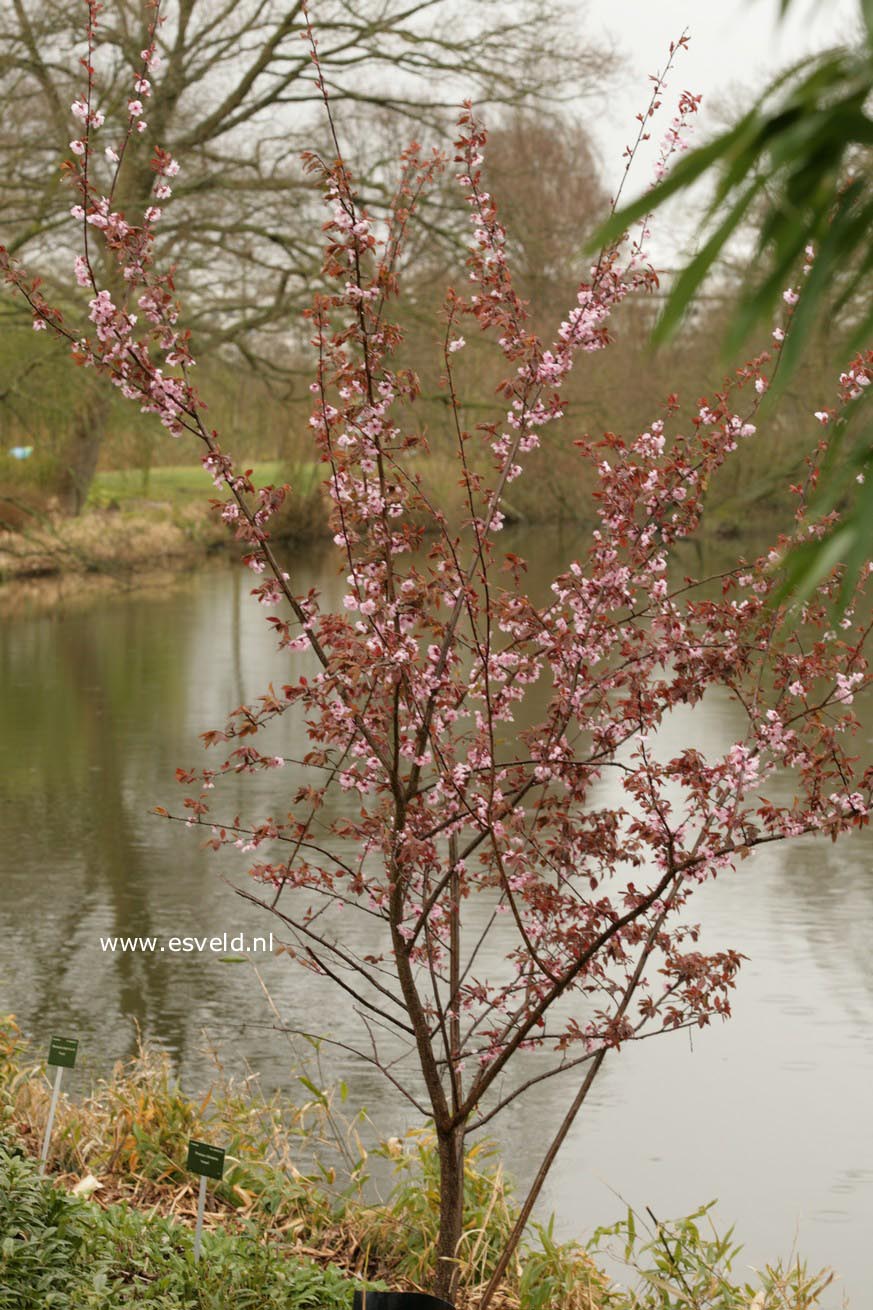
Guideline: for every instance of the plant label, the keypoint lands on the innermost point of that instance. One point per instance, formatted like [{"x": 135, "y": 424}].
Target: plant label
[
  {"x": 62, "y": 1052},
  {"x": 206, "y": 1160}
]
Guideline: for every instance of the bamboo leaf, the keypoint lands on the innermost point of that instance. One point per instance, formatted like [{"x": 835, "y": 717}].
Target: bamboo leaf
[
  {"x": 694, "y": 273},
  {"x": 691, "y": 167},
  {"x": 867, "y": 14},
  {"x": 809, "y": 563}
]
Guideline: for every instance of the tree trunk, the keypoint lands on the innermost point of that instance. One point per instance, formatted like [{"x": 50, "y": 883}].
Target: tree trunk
[
  {"x": 78, "y": 463},
  {"x": 451, "y": 1157}
]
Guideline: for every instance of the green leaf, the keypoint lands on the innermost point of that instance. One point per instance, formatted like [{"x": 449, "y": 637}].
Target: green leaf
[
  {"x": 694, "y": 273},
  {"x": 844, "y": 232},
  {"x": 867, "y": 14},
  {"x": 317, "y": 1092},
  {"x": 810, "y": 563},
  {"x": 689, "y": 168},
  {"x": 631, "y": 1233}
]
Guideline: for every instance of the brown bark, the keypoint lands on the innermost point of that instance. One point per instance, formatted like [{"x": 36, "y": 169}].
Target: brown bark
[
  {"x": 78, "y": 463},
  {"x": 524, "y": 1213},
  {"x": 451, "y": 1157}
]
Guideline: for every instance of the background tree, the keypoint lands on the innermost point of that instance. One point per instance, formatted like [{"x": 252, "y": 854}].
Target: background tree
[
  {"x": 545, "y": 168},
  {"x": 230, "y": 93}
]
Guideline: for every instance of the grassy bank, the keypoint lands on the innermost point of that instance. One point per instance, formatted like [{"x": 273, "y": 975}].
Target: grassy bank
[
  {"x": 59, "y": 1250},
  {"x": 134, "y": 528},
  {"x": 137, "y": 526},
  {"x": 176, "y": 486},
  {"x": 291, "y": 1223}
]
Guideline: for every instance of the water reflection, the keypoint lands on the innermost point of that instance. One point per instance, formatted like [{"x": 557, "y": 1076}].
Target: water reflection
[{"x": 769, "y": 1112}]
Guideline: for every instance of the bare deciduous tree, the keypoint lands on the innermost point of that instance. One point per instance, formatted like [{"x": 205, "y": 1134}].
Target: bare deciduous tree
[{"x": 231, "y": 96}]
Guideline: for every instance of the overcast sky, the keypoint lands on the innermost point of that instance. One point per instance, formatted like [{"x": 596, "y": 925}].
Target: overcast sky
[{"x": 736, "y": 45}]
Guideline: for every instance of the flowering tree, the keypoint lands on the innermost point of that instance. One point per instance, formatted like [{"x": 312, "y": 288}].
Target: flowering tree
[{"x": 422, "y": 706}]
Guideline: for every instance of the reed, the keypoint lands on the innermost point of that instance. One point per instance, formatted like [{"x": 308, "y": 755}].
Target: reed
[{"x": 298, "y": 1187}]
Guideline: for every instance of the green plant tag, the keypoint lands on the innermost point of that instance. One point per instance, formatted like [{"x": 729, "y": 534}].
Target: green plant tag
[
  {"x": 205, "y": 1159},
  {"x": 62, "y": 1051}
]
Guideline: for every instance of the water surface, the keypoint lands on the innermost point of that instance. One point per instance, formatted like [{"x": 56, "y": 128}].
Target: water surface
[{"x": 98, "y": 706}]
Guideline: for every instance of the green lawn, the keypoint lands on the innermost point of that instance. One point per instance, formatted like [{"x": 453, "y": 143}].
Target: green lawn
[{"x": 176, "y": 483}]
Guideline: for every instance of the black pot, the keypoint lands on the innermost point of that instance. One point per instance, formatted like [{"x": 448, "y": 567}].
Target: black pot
[{"x": 398, "y": 1301}]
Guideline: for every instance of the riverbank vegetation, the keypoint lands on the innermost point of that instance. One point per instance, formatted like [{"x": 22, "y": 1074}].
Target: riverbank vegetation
[
  {"x": 544, "y": 170},
  {"x": 294, "y": 1222},
  {"x": 149, "y": 510},
  {"x": 135, "y": 525}
]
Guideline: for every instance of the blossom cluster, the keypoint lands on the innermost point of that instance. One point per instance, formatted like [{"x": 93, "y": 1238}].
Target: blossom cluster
[
  {"x": 431, "y": 663},
  {"x": 467, "y": 724}
]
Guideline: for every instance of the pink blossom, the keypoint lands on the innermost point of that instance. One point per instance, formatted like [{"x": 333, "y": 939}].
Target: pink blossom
[{"x": 462, "y": 709}]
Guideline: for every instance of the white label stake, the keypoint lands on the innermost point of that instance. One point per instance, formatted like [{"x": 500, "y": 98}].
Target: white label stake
[
  {"x": 201, "y": 1204},
  {"x": 56, "y": 1091},
  {"x": 207, "y": 1161}
]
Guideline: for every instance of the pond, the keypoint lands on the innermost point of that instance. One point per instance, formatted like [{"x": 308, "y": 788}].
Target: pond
[{"x": 769, "y": 1112}]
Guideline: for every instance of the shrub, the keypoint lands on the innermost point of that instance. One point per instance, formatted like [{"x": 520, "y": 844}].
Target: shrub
[{"x": 59, "y": 1251}]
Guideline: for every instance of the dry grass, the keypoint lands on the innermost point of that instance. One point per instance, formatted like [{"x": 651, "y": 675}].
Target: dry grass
[
  {"x": 136, "y": 542},
  {"x": 100, "y": 542},
  {"x": 299, "y": 1170}
]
